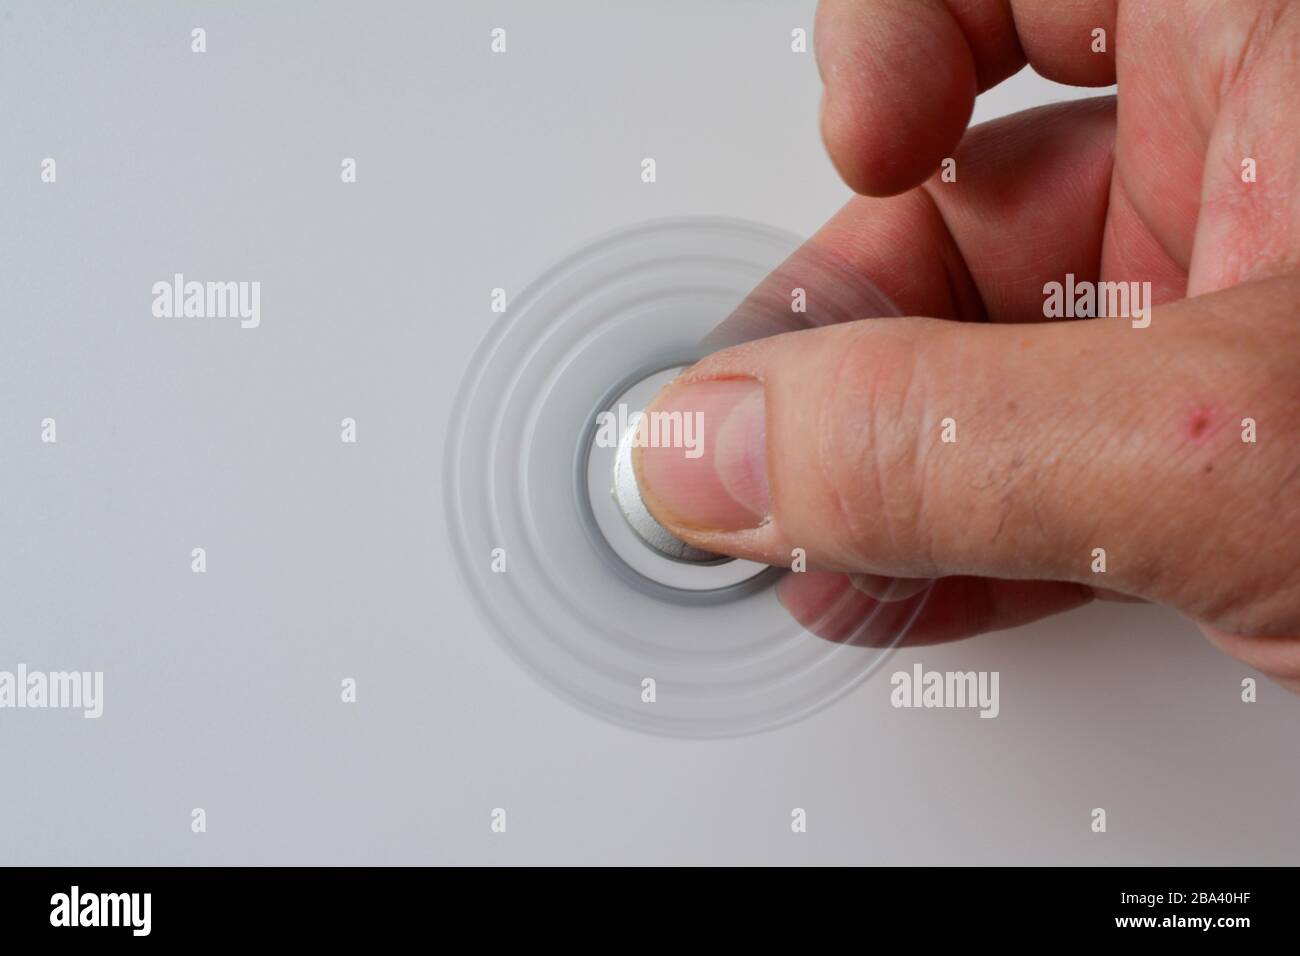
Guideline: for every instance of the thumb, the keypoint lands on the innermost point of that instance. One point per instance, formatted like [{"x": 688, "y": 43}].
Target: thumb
[{"x": 924, "y": 448}]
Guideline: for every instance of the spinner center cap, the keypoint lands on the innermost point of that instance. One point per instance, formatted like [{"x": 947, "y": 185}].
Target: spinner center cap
[
  {"x": 627, "y": 492},
  {"x": 632, "y": 532}
]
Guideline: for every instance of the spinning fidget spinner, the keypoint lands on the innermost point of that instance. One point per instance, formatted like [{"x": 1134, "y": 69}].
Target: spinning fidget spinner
[{"x": 582, "y": 585}]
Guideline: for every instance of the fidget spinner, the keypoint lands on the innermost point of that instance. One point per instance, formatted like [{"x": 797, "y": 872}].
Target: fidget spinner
[{"x": 579, "y": 581}]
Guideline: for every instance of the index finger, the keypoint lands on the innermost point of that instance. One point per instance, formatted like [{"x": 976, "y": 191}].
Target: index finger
[{"x": 901, "y": 76}]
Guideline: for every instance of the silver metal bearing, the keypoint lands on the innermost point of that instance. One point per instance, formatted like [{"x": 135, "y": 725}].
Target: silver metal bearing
[{"x": 623, "y": 519}]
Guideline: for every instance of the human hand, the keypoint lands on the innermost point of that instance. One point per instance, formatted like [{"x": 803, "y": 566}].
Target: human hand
[{"x": 1170, "y": 445}]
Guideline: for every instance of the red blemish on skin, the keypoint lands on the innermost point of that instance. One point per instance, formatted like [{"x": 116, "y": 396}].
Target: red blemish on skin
[{"x": 1199, "y": 424}]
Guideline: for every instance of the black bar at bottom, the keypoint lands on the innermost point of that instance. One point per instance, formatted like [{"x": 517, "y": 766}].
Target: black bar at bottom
[{"x": 336, "y": 906}]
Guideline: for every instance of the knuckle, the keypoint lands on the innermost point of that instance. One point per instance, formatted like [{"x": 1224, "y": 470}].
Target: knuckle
[{"x": 869, "y": 417}]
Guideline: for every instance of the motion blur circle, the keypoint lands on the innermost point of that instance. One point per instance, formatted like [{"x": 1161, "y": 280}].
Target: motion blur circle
[{"x": 687, "y": 645}]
